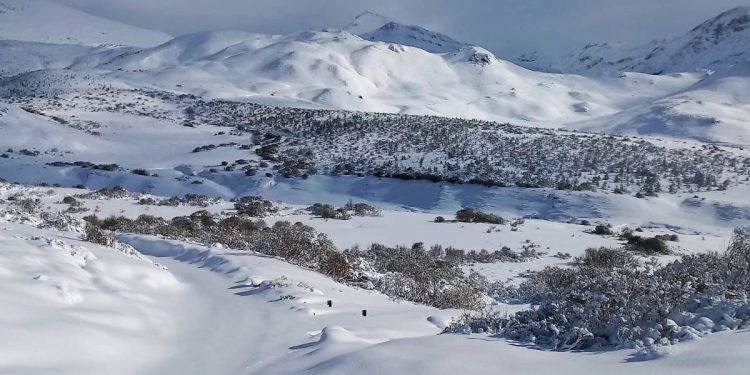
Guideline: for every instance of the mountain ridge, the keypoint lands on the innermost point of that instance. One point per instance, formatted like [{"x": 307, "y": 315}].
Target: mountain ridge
[{"x": 717, "y": 43}]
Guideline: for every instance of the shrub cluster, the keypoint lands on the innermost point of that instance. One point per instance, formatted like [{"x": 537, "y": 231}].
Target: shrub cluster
[
  {"x": 95, "y": 234},
  {"x": 297, "y": 243},
  {"x": 412, "y": 274},
  {"x": 603, "y": 230},
  {"x": 610, "y": 298},
  {"x": 362, "y": 209},
  {"x": 195, "y": 200},
  {"x": 116, "y": 192},
  {"x": 254, "y": 206},
  {"x": 329, "y": 211},
  {"x": 648, "y": 245},
  {"x": 468, "y": 215},
  {"x": 505, "y": 254}
]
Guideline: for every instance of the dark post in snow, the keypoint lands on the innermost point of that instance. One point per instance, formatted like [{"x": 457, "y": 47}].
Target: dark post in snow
[{"x": 364, "y": 312}]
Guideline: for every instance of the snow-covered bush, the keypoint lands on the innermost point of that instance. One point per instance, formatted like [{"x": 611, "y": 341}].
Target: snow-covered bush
[
  {"x": 29, "y": 210},
  {"x": 28, "y": 205},
  {"x": 362, "y": 209},
  {"x": 116, "y": 192},
  {"x": 412, "y": 274},
  {"x": 254, "y": 206},
  {"x": 328, "y": 211},
  {"x": 647, "y": 245},
  {"x": 610, "y": 298},
  {"x": 467, "y": 151},
  {"x": 468, "y": 215},
  {"x": 603, "y": 230},
  {"x": 505, "y": 254},
  {"x": 415, "y": 274},
  {"x": 297, "y": 243},
  {"x": 95, "y": 234}
]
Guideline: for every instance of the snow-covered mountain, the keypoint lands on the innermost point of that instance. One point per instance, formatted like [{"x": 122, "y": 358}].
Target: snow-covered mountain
[
  {"x": 716, "y": 44},
  {"x": 407, "y": 69},
  {"x": 335, "y": 69},
  {"x": 51, "y": 22}
]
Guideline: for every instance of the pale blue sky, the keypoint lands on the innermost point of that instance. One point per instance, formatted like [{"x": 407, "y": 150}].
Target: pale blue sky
[{"x": 507, "y": 27}]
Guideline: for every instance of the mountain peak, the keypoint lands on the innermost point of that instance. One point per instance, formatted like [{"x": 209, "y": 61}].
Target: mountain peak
[
  {"x": 414, "y": 36},
  {"x": 737, "y": 15}
]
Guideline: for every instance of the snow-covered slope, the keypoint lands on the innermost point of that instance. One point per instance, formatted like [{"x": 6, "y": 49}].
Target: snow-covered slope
[
  {"x": 51, "y": 22},
  {"x": 716, "y": 44},
  {"x": 335, "y": 69},
  {"x": 18, "y": 57},
  {"x": 715, "y": 109}
]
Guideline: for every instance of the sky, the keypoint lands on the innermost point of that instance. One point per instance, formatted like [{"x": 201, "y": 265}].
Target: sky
[{"x": 506, "y": 27}]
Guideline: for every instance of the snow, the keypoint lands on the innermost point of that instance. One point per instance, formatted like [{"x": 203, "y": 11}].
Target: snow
[
  {"x": 155, "y": 306},
  {"x": 450, "y": 354},
  {"x": 51, "y": 22},
  {"x": 72, "y": 307}
]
